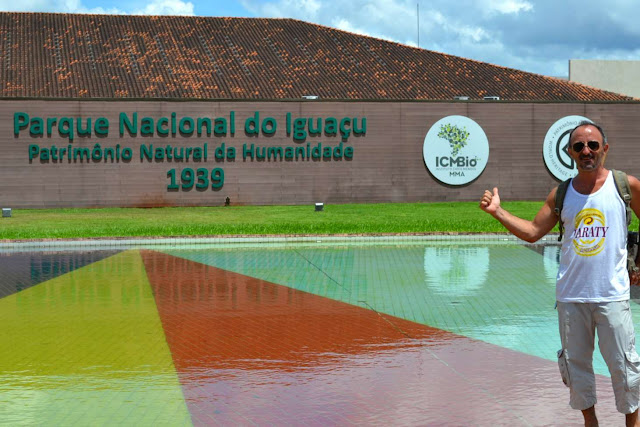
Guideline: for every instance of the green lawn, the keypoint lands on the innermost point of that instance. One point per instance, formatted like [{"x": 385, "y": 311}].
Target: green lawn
[
  {"x": 255, "y": 220},
  {"x": 456, "y": 217}
]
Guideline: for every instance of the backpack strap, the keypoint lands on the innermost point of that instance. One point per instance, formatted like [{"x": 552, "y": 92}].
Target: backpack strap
[
  {"x": 622, "y": 185},
  {"x": 561, "y": 191}
]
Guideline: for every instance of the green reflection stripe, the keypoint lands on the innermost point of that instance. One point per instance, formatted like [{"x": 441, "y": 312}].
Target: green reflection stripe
[{"x": 88, "y": 347}]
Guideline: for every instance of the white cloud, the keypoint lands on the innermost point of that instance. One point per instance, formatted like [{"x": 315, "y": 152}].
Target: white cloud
[
  {"x": 343, "y": 24},
  {"x": 521, "y": 34},
  {"x": 155, "y": 7},
  {"x": 375, "y": 17},
  {"x": 509, "y": 6},
  {"x": 386, "y": 10},
  {"x": 459, "y": 29},
  {"x": 475, "y": 34},
  {"x": 301, "y": 9},
  {"x": 524, "y": 34},
  {"x": 167, "y": 7},
  {"x": 29, "y": 6},
  {"x": 395, "y": 20},
  {"x": 310, "y": 7}
]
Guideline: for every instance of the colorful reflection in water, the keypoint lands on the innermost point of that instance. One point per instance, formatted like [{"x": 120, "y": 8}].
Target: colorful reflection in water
[{"x": 438, "y": 334}]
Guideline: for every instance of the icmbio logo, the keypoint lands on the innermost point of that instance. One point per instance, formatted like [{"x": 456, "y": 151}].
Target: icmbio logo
[{"x": 455, "y": 150}]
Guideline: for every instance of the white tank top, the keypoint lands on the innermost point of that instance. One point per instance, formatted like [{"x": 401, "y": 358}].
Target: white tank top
[{"x": 593, "y": 261}]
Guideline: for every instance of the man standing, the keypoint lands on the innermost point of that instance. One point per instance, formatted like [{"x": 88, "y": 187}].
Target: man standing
[{"x": 593, "y": 284}]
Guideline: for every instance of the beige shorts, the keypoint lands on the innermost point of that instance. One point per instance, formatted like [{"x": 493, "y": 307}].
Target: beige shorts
[{"x": 612, "y": 321}]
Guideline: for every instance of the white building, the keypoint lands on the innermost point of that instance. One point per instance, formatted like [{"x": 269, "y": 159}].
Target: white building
[{"x": 621, "y": 77}]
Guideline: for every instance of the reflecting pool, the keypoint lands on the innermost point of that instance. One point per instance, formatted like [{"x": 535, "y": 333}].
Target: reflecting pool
[{"x": 417, "y": 333}]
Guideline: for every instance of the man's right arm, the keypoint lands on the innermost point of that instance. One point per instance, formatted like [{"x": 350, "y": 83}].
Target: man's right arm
[{"x": 526, "y": 230}]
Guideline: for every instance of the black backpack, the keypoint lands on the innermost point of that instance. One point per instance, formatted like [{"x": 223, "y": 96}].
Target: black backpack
[{"x": 622, "y": 185}]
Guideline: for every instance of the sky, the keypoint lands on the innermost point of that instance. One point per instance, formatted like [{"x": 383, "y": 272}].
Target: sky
[{"x": 538, "y": 36}]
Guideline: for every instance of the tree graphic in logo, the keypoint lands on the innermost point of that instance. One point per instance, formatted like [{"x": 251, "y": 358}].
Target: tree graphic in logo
[{"x": 457, "y": 137}]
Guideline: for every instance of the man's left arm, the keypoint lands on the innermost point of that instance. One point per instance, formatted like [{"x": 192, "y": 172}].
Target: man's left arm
[{"x": 634, "y": 183}]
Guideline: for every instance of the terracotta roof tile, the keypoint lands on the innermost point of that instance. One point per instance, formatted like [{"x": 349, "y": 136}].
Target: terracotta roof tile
[{"x": 48, "y": 55}]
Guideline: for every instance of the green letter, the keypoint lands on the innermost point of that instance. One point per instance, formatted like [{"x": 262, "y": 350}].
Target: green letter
[
  {"x": 251, "y": 125},
  {"x": 37, "y": 126},
  {"x": 186, "y": 126},
  {"x": 102, "y": 126},
  {"x": 146, "y": 126},
  {"x": 299, "y": 134},
  {"x": 125, "y": 123},
  {"x": 163, "y": 126},
  {"x": 34, "y": 150},
  {"x": 206, "y": 122},
  {"x": 65, "y": 127},
  {"x": 20, "y": 121},
  {"x": 330, "y": 126},
  {"x": 269, "y": 126},
  {"x": 145, "y": 151}
]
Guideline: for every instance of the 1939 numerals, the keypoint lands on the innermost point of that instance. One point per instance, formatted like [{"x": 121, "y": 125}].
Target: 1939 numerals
[{"x": 201, "y": 178}]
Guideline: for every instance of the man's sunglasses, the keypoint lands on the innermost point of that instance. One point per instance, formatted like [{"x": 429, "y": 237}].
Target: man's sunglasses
[{"x": 579, "y": 146}]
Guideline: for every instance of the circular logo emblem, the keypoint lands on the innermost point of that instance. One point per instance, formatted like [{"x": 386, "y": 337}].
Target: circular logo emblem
[
  {"x": 455, "y": 150},
  {"x": 590, "y": 232},
  {"x": 555, "y": 149}
]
